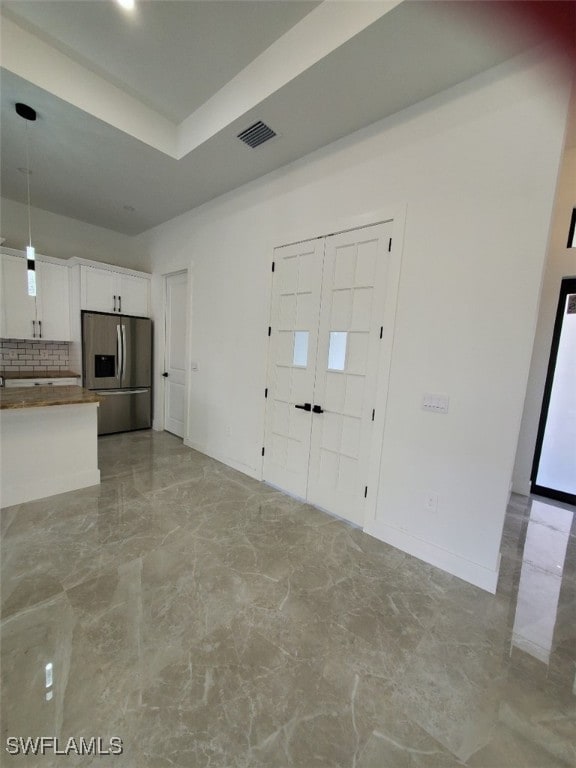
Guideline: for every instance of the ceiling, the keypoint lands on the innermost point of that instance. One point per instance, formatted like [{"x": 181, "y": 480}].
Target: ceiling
[
  {"x": 171, "y": 55},
  {"x": 138, "y": 115}
]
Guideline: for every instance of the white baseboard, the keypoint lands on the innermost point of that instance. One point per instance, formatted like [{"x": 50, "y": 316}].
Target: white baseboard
[
  {"x": 39, "y": 488},
  {"x": 473, "y": 573},
  {"x": 244, "y": 468}
]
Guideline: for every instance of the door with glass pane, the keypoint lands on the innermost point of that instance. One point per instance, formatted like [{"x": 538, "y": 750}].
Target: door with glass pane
[
  {"x": 327, "y": 312},
  {"x": 292, "y": 360},
  {"x": 554, "y": 468},
  {"x": 353, "y": 296}
]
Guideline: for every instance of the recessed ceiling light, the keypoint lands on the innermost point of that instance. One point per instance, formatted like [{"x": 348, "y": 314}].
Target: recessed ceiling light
[{"x": 128, "y": 5}]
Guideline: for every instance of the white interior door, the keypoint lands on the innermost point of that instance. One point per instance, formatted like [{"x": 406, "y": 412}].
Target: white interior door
[
  {"x": 353, "y": 298},
  {"x": 294, "y": 337},
  {"x": 328, "y": 308},
  {"x": 175, "y": 353}
]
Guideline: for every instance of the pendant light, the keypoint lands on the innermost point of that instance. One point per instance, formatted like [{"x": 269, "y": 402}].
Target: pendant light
[{"x": 29, "y": 115}]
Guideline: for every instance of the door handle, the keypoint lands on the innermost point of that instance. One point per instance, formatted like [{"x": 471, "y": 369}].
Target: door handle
[
  {"x": 39, "y": 329},
  {"x": 115, "y": 392},
  {"x": 114, "y": 303},
  {"x": 119, "y": 303},
  {"x": 33, "y": 329},
  {"x": 165, "y": 374},
  {"x": 317, "y": 409},
  {"x": 304, "y": 407}
]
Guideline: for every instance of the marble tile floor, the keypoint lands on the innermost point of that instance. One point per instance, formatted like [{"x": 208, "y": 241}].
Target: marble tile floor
[{"x": 210, "y": 621}]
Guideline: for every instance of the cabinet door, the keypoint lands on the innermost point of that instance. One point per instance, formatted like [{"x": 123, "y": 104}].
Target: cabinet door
[
  {"x": 98, "y": 289},
  {"x": 18, "y": 314},
  {"x": 134, "y": 292},
  {"x": 54, "y": 301}
]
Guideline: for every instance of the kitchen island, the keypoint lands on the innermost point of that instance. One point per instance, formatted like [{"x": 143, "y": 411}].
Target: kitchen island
[{"x": 48, "y": 442}]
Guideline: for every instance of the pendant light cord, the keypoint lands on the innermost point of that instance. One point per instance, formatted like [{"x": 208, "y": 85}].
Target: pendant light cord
[{"x": 28, "y": 187}]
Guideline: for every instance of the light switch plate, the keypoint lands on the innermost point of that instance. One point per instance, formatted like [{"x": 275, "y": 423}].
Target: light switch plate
[{"x": 435, "y": 403}]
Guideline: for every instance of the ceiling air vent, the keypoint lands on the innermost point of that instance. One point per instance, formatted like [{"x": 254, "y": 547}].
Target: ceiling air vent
[{"x": 257, "y": 134}]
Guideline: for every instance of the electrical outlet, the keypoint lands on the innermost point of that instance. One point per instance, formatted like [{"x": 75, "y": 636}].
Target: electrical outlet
[{"x": 431, "y": 501}]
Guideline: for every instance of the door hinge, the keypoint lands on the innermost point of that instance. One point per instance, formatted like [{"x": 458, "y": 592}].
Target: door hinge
[
  {"x": 273, "y": 266},
  {"x": 381, "y": 331},
  {"x": 269, "y": 330},
  {"x": 262, "y": 450},
  {"x": 389, "y": 246},
  {"x": 266, "y": 392},
  {"x": 373, "y": 413},
  {"x": 365, "y": 491}
]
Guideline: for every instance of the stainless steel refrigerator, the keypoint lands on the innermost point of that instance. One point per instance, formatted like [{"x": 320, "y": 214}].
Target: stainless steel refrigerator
[{"x": 117, "y": 365}]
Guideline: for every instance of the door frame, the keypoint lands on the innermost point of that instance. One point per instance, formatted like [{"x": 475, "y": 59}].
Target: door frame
[
  {"x": 160, "y": 413},
  {"x": 333, "y": 226},
  {"x": 567, "y": 285}
]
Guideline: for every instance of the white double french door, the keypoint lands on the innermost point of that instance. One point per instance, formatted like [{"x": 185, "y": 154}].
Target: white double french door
[{"x": 328, "y": 301}]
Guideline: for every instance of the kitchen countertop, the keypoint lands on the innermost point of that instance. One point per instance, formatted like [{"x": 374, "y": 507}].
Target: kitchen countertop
[
  {"x": 40, "y": 397},
  {"x": 36, "y": 374}
]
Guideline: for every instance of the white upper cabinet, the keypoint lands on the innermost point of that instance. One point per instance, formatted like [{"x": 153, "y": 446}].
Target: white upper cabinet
[
  {"x": 45, "y": 316},
  {"x": 99, "y": 292},
  {"x": 104, "y": 290},
  {"x": 134, "y": 294},
  {"x": 53, "y": 301},
  {"x": 62, "y": 289},
  {"x": 18, "y": 316}
]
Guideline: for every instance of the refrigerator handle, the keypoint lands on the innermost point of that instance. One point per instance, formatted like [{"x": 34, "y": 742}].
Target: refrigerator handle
[
  {"x": 123, "y": 351},
  {"x": 115, "y": 392},
  {"x": 119, "y": 352}
]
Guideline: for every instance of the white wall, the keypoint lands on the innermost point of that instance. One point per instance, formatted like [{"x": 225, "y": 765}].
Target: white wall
[
  {"x": 476, "y": 167},
  {"x": 560, "y": 262},
  {"x": 62, "y": 237}
]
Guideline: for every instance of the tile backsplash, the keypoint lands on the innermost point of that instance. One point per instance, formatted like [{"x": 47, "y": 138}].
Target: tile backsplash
[{"x": 17, "y": 355}]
